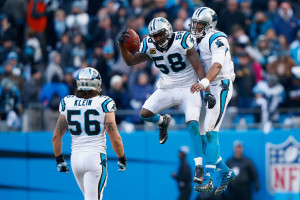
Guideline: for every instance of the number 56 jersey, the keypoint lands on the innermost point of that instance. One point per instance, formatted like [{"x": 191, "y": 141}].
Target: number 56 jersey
[
  {"x": 176, "y": 69},
  {"x": 86, "y": 118}
]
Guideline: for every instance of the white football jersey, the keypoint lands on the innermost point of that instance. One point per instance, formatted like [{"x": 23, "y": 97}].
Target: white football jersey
[
  {"x": 213, "y": 48},
  {"x": 86, "y": 119},
  {"x": 176, "y": 69}
]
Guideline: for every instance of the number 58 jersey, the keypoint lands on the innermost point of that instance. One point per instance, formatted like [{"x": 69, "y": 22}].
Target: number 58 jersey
[
  {"x": 176, "y": 68},
  {"x": 86, "y": 118}
]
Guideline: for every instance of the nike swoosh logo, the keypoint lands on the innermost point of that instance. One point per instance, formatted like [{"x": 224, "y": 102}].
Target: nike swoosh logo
[{"x": 214, "y": 84}]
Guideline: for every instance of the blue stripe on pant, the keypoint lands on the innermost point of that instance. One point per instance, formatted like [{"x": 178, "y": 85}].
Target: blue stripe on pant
[
  {"x": 223, "y": 97},
  {"x": 103, "y": 174}
]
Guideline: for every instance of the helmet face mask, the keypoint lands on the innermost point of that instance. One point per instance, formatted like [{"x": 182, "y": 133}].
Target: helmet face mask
[
  {"x": 160, "y": 31},
  {"x": 89, "y": 79},
  {"x": 199, "y": 29},
  {"x": 160, "y": 38},
  {"x": 203, "y": 20}
]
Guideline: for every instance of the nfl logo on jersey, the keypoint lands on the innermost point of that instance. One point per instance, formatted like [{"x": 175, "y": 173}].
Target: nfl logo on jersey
[{"x": 283, "y": 166}]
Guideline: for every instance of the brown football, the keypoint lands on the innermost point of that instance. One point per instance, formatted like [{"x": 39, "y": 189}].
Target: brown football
[{"x": 133, "y": 42}]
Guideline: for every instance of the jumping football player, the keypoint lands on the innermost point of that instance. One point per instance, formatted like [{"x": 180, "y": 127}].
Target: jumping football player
[
  {"x": 174, "y": 54},
  {"x": 214, "y": 53},
  {"x": 87, "y": 115}
]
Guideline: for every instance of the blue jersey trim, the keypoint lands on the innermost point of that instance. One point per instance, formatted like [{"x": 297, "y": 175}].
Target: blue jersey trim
[
  {"x": 183, "y": 42},
  {"x": 145, "y": 47},
  {"x": 104, "y": 104},
  {"x": 215, "y": 36}
]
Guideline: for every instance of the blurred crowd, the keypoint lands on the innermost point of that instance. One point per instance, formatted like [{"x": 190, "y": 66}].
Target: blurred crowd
[{"x": 43, "y": 44}]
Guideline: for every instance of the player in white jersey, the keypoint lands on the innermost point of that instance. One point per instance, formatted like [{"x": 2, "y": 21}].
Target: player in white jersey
[
  {"x": 174, "y": 54},
  {"x": 87, "y": 116},
  {"x": 213, "y": 48}
]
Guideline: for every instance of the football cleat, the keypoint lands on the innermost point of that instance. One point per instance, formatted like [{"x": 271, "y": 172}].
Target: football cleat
[
  {"x": 163, "y": 129},
  {"x": 199, "y": 171},
  {"x": 225, "y": 179},
  {"x": 207, "y": 186}
]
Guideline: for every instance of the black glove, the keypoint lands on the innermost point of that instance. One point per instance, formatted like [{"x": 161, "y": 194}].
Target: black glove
[
  {"x": 122, "y": 163},
  {"x": 209, "y": 99},
  {"x": 122, "y": 37},
  {"x": 61, "y": 164}
]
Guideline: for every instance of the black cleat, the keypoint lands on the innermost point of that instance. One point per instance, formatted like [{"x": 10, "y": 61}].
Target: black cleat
[
  {"x": 199, "y": 171},
  {"x": 206, "y": 187},
  {"x": 163, "y": 129}
]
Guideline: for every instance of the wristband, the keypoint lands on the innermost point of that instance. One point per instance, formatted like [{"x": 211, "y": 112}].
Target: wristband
[
  {"x": 123, "y": 159},
  {"x": 205, "y": 82},
  {"x": 59, "y": 159}
]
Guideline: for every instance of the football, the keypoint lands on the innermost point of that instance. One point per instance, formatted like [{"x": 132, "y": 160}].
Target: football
[{"x": 133, "y": 42}]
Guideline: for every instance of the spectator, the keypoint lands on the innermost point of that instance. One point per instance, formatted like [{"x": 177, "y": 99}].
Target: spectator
[
  {"x": 77, "y": 20},
  {"x": 246, "y": 175},
  {"x": 247, "y": 12},
  {"x": 259, "y": 26},
  {"x": 6, "y": 29},
  {"x": 178, "y": 25},
  {"x": 295, "y": 49},
  {"x": 32, "y": 88},
  {"x": 60, "y": 23},
  {"x": 119, "y": 95},
  {"x": 78, "y": 52},
  {"x": 10, "y": 104},
  {"x": 294, "y": 93},
  {"x": 98, "y": 62},
  {"x": 65, "y": 48},
  {"x": 136, "y": 8},
  {"x": 271, "y": 13},
  {"x": 286, "y": 23},
  {"x": 50, "y": 96},
  {"x": 54, "y": 67},
  {"x": 231, "y": 16},
  {"x": 268, "y": 96},
  {"x": 70, "y": 81},
  {"x": 282, "y": 68},
  {"x": 184, "y": 175},
  {"x": 140, "y": 92},
  {"x": 159, "y": 9},
  {"x": 245, "y": 80},
  {"x": 33, "y": 47},
  {"x": 7, "y": 47}
]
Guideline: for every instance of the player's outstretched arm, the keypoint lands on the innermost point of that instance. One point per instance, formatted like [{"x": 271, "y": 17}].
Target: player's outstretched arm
[
  {"x": 115, "y": 139},
  {"x": 130, "y": 59},
  {"x": 60, "y": 130}
]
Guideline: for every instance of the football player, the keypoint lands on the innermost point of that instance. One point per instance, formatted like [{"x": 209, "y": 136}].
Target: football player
[
  {"x": 213, "y": 48},
  {"x": 174, "y": 54},
  {"x": 87, "y": 115}
]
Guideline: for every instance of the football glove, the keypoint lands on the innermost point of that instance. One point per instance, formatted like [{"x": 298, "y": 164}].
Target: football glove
[
  {"x": 122, "y": 164},
  {"x": 61, "y": 164},
  {"x": 122, "y": 37},
  {"x": 209, "y": 100}
]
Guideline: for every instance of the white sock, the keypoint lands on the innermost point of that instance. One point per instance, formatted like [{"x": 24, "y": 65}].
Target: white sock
[
  {"x": 161, "y": 119},
  {"x": 198, "y": 161}
]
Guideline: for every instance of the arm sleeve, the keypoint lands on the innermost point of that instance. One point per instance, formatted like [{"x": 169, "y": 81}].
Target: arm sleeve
[
  {"x": 219, "y": 47},
  {"x": 109, "y": 105},
  {"x": 187, "y": 42}
]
